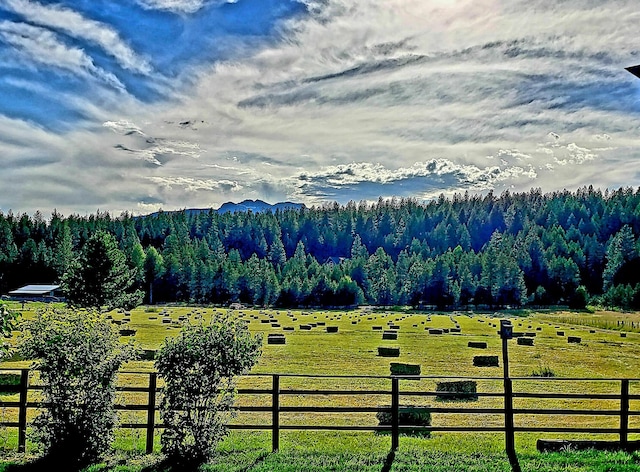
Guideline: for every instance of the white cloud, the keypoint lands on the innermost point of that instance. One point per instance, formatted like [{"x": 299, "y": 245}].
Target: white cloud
[
  {"x": 180, "y": 6},
  {"x": 194, "y": 185},
  {"x": 41, "y": 46},
  {"x": 74, "y": 24}
]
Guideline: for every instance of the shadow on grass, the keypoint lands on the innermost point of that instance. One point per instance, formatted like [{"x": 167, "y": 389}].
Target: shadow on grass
[
  {"x": 43, "y": 464},
  {"x": 388, "y": 462}
]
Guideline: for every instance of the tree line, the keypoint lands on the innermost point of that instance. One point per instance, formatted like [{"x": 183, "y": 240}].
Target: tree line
[{"x": 492, "y": 250}]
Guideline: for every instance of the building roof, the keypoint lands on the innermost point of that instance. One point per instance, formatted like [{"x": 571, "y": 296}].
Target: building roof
[{"x": 35, "y": 290}]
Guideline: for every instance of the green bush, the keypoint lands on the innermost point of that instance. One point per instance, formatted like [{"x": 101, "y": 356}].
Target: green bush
[
  {"x": 198, "y": 367},
  {"x": 457, "y": 390},
  {"x": 78, "y": 354}
]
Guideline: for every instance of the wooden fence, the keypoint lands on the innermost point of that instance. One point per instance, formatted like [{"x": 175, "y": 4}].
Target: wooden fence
[{"x": 274, "y": 407}]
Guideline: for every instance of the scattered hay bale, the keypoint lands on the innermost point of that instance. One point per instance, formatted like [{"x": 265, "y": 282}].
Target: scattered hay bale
[
  {"x": 400, "y": 368},
  {"x": 539, "y": 328},
  {"x": 592, "y": 331},
  {"x": 148, "y": 354},
  {"x": 275, "y": 325},
  {"x": 408, "y": 415},
  {"x": 445, "y": 330},
  {"x": 530, "y": 335},
  {"x": 276, "y": 338},
  {"x": 457, "y": 390},
  {"x": 321, "y": 323},
  {"x": 574, "y": 339},
  {"x": 435, "y": 331},
  {"x": 390, "y": 335},
  {"x": 166, "y": 320},
  {"x": 477, "y": 344},
  {"x": 305, "y": 327},
  {"x": 455, "y": 330},
  {"x": 389, "y": 351},
  {"x": 377, "y": 328},
  {"x": 525, "y": 341},
  {"x": 153, "y": 318},
  {"x": 395, "y": 327},
  {"x": 265, "y": 321},
  {"x": 288, "y": 328},
  {"x": 332, "y": 329},
  {"x": 127, "y": 332},
  {"x": 485, "y": 361},
  {"x": 516, "y": 334},
  {"x": 623, "y": 335},
  {"x": 560, "y": 333}
]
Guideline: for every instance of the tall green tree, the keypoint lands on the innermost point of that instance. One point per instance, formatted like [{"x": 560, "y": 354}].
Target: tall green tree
[{"x": 100, "y": 278}]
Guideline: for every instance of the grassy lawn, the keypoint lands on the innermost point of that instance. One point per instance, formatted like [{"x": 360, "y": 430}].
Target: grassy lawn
[{"x": 601, "y": 353}]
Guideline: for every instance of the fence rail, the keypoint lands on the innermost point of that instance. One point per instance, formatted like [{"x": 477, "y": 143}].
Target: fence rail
[{"x": 394, "y": 395}]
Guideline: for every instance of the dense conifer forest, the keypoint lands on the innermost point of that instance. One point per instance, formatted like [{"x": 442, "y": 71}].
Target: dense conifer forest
[{"x": 469, "y": 250}]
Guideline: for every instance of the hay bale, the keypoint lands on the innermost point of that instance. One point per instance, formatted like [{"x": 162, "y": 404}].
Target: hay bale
[
  {"x": 127, "y": 332},
  {"x": 276, "y": 338},
  {"x": 477, "y": 344},
  {"x": 395, "y": 327},
  {"x": 435, "y": 331},
  {"x": 390, "y": 335},
  {"x": 455, "y": 330},
  {"x": 389, "y": 351},
  {"x": 408, "y": 415},
  {"x": 400, "y": 368},
  {"x": 560, "y": 333},
  {"x": 148, "y": 354},
  {"x": 332, "y": 329},
  {"x": 305, "y": 327},
  {"x": 623, "y": 335},
  {"x": 525, "y": 341},
  {"x": 377, "y": 328},
  {"x": 574, "y": 339},
  {"x": 530, "y": 335},
  {"x": 457, "y": 390},
  {"x": 485, "y": 361},
  {"x": 288, "y": 328}
]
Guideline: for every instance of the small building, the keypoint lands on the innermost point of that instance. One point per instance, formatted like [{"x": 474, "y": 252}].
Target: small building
[
  {"x": 37, "y": 292},
  {"x": 334, "y": 260}
]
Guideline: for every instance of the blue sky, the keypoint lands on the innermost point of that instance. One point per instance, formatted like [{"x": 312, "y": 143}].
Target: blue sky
[{"x": 147, "y": 104}]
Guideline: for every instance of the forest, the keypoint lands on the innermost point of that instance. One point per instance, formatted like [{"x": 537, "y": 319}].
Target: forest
[{"x": 470, "y": 250}]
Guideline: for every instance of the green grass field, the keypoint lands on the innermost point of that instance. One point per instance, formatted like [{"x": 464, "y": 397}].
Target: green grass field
[{"x": 602, "y": 353}]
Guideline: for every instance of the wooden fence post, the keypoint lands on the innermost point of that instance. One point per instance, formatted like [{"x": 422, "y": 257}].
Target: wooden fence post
[
  {"x": 151, "y": 411},
  {"x": 395, "y": 413},
  {"x": 22, "y": 413},
  {"x": 275, "y": 413},
  {"x": 624, "y": 413}
]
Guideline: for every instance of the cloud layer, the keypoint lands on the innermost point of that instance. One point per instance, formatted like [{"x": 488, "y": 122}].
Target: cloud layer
[{"x": 314, "y": 101}]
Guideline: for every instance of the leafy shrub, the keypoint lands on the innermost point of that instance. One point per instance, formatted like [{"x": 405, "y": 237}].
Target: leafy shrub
[
  {"x": 78, "y": 354},
  {"x": 198, "y": 367}
]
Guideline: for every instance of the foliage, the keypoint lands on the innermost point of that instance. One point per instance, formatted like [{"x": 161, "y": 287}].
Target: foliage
[
  {"x": 493, "y": 251},
  {"x": 101, "y": 277},
  {"x": 199, "y": 368},
  {"x": 77, "y": 354},
  {"x": 8, "y": 320}
]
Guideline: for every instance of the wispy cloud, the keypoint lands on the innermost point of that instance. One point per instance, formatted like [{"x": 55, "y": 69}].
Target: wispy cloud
[
  {"x": 341, "y": 100},
  {"x": 69, "y": 22},
  {"x": 37, "y": 45}
]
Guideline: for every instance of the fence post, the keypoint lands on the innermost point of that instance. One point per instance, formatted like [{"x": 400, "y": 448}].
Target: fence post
[
  {"x": 22, "y": 413},
  {"x": 151, "y": 411},
  {"x": 395, "y": 413},
  {"x": 624, "y": 413},
  {"x": 275, "y": 412}
]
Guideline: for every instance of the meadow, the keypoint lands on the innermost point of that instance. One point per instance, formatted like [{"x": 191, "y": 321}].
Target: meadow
[{"x": 353, "y": 350}]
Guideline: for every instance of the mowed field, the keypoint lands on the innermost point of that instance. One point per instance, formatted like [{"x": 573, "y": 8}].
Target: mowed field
[{"x": 353, "y": 350}]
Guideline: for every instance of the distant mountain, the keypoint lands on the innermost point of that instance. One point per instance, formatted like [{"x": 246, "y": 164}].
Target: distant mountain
[
  {"x": 258, "y": 206},
  {"x": 254, "y": 206}
]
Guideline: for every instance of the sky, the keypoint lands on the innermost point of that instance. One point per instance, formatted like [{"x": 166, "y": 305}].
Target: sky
[{"x": 142, "y": 105}]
